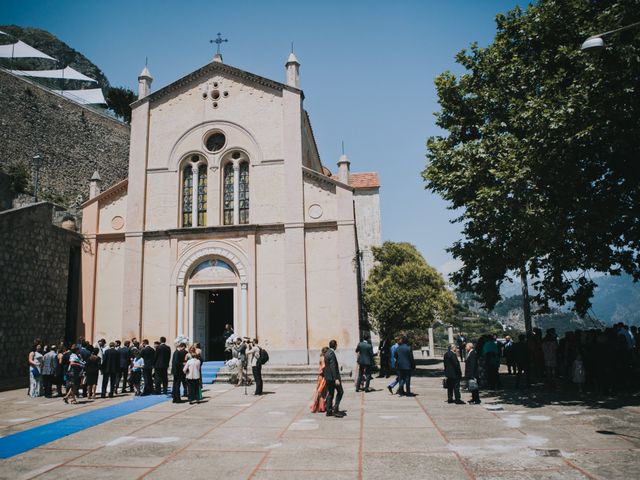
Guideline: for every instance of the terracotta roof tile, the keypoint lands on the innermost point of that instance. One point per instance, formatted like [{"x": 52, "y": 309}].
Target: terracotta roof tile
[{"x": 364, "y": 180}]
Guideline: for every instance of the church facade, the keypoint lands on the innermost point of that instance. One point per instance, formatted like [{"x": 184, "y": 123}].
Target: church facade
[{"x": 229, "y": 217}]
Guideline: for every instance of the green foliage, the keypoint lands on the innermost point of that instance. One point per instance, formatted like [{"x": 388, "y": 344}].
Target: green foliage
[
  {"x": 19, "y": 176},
  {"x": 542, "y": 154},
  {"x": 474, "y": 321},
  {"x": 404, "y": 293},
  {"x": 119, "y": 99}
]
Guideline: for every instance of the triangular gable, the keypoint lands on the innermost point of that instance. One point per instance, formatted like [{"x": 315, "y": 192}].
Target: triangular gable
[{"x": 209, "y": 70}]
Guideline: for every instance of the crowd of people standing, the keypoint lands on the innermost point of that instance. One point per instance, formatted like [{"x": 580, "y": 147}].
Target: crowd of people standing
[{"x": 80, "y": 369}]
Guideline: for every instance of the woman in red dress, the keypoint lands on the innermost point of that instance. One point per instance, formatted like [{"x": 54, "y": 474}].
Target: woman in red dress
[{"x": 317, "y": 403}]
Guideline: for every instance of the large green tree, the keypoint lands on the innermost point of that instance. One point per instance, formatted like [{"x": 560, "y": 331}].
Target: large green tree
[
  {"x": 404, "y": 293},
  {"x": 541, "y": 152}
]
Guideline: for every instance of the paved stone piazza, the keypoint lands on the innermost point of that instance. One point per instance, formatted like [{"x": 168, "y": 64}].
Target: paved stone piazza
[{"x": 233, "y": 436}]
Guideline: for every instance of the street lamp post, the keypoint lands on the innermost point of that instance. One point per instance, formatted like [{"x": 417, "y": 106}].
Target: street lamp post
[
  {"x": 595, "y": 42},
  {"x": 37, "y": 163}
]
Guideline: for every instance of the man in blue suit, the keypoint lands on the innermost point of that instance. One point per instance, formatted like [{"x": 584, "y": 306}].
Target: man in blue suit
[
  {"x": 365, "y": 361},
  {"x": 405, "y": 363}
]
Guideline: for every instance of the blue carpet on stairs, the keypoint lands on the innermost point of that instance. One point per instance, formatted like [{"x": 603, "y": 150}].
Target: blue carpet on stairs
[{"x": 210, "y": 371}]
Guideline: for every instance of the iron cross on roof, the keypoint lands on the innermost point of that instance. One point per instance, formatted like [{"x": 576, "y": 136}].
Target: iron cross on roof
[{"x": 219, "y": 41}]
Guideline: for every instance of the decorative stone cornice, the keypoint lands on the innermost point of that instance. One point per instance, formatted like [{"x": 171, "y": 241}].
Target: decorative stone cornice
[{"x": 322, "y": 180}]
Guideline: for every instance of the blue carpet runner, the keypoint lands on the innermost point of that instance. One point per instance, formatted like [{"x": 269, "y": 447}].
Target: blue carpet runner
[
  {"x": 210, "y": 371},
  {"x": 26, "y": 440}
]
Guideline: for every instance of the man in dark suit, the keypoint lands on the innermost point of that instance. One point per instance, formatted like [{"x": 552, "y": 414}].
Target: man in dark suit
[
  {"x": 385, "y": 356},
  {"x": 365, "y": 361},
  {"x": 332, "y": 376},
  {"x": 124, "y": 352},
  {"x": 163, "y": 357},
  {"x": 471, "y": 371},
  {"x": 177, "y": 364},
  {"x": 405, "y": 364},
  {"x": 110, "y": 368},
  {"x": 148, "y": 355},
  {"x": 453, "y": 372}
]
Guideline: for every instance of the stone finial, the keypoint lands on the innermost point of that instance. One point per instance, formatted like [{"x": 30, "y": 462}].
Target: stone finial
[
  {"x": 218, "y": 58},
  {"x": 343, "y": 169},
  {"x": 293, "y": 71},
  {"x": 94, "y": 185},
  {"x": 144, "y": 83}
]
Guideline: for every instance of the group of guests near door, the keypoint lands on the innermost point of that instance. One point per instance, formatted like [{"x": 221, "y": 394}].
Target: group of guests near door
[
  {"x": 245, "y": 353},
  {"x": 118, "y": 367}
]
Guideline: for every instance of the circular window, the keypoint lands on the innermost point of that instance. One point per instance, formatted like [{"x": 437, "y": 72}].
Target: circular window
[
  {"x": 215, "y": 84},
  {"x": 215, "y": 94},
  {"x": 216, "y": 141},
  {"x": 225, "y": 94},
  {"x": 235, "y": 155}
]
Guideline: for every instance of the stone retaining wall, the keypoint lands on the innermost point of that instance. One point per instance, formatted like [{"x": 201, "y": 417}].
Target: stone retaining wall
[{"x": 35, "y": 259}]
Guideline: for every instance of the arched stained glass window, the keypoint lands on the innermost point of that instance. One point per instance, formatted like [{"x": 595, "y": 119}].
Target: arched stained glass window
[
  {"x": 187, "y": 195},
  {"x": 202, "y": 195},
  {"x": 244, "y": 193},
  {"x": 227, "y": 199}
]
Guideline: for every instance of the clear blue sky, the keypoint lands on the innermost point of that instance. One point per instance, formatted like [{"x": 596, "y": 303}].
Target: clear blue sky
[{"x": 367, "y": 72}]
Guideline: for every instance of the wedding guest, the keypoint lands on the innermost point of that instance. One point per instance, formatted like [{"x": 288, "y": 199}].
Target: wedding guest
[
  {"x": 318, "y": 401},
  {"x": 91, "y": 368},
  {"x": 49, "y": 370},
  {"x": 35, "y": 371},
  {"x": 192, "y": 373}
]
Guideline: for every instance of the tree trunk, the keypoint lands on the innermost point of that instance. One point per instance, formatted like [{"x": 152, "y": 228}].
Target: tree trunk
[{"x": 526, "y": 306}]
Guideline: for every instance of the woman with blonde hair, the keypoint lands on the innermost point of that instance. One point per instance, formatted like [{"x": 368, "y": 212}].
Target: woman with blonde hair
[{"x": 318, "y": 401}]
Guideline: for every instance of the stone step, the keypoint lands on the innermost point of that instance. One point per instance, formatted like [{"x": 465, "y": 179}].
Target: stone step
[{"x": 284, "y": 375}]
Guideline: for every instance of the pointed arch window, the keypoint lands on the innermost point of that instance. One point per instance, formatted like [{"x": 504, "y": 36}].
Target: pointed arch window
[
  {"x": 243, "y": 199},
  {"x": 187, "y": 195},
  {"x": 193, "y": 193},
  {"x": 227, "y": 200},
  {"x": 202, "y": 195}
]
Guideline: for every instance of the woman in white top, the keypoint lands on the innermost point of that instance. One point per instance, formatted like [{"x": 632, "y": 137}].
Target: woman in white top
[
  {"x": 192, "y": 374},
  {"x": 35, "y": 371},
  {"x": 136, "y": 371}
]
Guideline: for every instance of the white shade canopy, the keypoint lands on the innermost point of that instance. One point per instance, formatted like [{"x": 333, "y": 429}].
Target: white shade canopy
[
  {"x": 84, "y": 97},
  {"x": 21, "y": 50},
  {"x": 67, "y": 73}
]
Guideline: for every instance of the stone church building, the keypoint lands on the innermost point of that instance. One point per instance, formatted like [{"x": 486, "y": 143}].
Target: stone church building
[{"x": 229, "y": 217}]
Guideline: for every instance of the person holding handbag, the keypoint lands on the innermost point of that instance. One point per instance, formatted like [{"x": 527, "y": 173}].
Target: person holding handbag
[{"x": 471, "y": 373}]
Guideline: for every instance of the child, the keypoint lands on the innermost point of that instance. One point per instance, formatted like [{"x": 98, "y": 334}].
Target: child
[{"x": 578, "y": 372}]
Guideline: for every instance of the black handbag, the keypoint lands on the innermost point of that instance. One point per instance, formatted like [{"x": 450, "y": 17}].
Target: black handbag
[{"x": 444, "y": 383}]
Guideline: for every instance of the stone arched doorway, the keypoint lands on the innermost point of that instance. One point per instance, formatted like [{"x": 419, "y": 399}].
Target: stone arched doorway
[{"x": 211, "y": 292}]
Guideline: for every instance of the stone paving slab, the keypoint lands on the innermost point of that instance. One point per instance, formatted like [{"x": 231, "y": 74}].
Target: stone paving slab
[{"x": 237, "y": 436}]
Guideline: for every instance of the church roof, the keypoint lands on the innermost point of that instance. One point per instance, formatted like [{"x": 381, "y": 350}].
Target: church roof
[
  {"x": 362, "y": 180},
  {"x": 209, "y": 69}
]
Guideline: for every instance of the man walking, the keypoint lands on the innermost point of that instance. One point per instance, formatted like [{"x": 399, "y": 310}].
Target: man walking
[
  {"x": 110, "y": 368},
  {"x": 394, "y": 367},
  {"x": 163, "y": 358},
  {"x": 332, "y": 377},
  {"x": 365, "y": 361},
  {"x": 148, "y": 355},
  {"x": 405, "y": 364},
  {"x": 177, "y": 365},
  {"x": 453, "y": 373}
]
